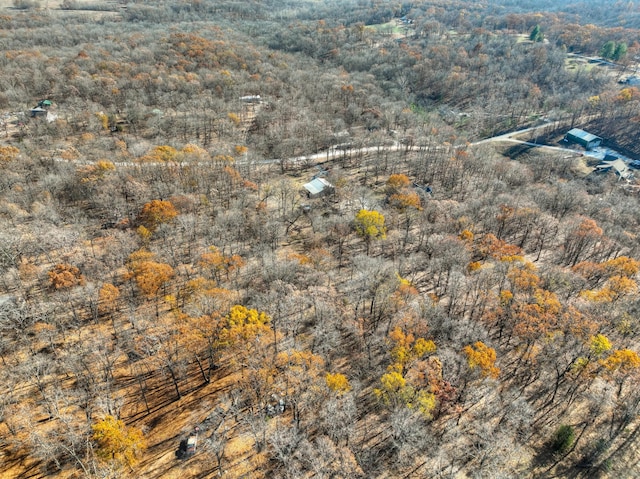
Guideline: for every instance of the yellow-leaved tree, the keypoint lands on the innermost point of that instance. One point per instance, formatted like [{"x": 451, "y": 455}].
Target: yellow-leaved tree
[
  {"x": 155, "y": 213},
  {"x": 407, "y": 348},
  {"x": 620, "y": 365},
  {"x": 404, "y": 384},
  {"x": 338, "y": 383},
  {"x": 243, "y": 330},
  {"x": 118, "y": 443},
  {"x": 370, "y": 225},
  {"x": 482, "y": 357}
]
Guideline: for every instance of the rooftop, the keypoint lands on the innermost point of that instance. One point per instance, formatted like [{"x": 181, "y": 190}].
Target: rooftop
[
  {"x": 578, "y": 133},
  {"x": 317, "y": 186},
  {"x": 619, "y": 166}
]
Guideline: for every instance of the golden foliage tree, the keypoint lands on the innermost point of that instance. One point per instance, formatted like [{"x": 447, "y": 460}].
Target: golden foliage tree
[
  {"x": 157, "y": 212},
  {"x": 599, "y": 344},
  {"x": 396, "y": 391},
  {"x": 148, "y": 274},
  {"x": 396, "y": 183},
  {"x": 118, "y": 443},
  {"x": 244, "y": 331},
  {"x": 338, "y": 383},
  {"x": 8, "y": 154},
  {"x": 620, "y": 365},
  {"x": 108, "y": 296},
  {"x": 160, "y": 153},
  {"x": 407, "y": 348},
  {"x": 370, "y": 225},
  {"x": 408, "y": 381},
  {"x": 482, "y": 357}
]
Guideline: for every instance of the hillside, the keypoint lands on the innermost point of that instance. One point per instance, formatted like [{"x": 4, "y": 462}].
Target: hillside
[{"x": 176, "y": 301}]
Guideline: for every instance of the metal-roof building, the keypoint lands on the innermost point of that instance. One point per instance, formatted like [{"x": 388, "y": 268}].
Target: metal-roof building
[
  {"x": 318, "y": 187},
  {"x": 581, "y": 137}
]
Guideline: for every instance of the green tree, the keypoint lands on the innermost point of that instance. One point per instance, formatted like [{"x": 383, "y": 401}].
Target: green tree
[
  {"x": 370, "y": 225},
  {"x": 608, "y": 49},
  {"x": 563, "y": 439},
  {"x": 117, "y": 442},
  {"x": 620, "y": 51},
  {"x": 536, "y": 34}
]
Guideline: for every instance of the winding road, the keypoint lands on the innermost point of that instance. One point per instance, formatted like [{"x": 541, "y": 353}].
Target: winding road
[{"x": 339, "y": 151}]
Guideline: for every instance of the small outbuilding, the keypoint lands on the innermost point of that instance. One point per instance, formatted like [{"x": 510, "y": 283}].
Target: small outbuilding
[
  {"x": 618, "y": 166},
  {"x": 318, "y": 187},
  {"x": 583, "y": 138},
  {"x": 38, "y": 111},
  {"x": 251, "y": 99}
]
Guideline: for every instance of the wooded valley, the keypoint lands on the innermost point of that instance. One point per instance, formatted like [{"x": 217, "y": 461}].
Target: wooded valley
[{"x": 301, "y": 239}]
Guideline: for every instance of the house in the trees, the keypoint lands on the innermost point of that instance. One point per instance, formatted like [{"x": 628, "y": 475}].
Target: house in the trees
[
  {"x": 618, "y": 166},
  {"x": 582, "y": 138},
  {"x": 631, "y": 81},
  {"x": 318, "y": 187}
]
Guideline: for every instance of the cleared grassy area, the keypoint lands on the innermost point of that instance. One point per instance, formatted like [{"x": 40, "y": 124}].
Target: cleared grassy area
[
  {"x": 573, "y": 63},
  {"x": 392, "y": 27}
]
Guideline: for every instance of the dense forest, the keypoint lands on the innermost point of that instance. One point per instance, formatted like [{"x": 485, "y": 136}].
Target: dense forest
[{"x": 459, "y": 301}]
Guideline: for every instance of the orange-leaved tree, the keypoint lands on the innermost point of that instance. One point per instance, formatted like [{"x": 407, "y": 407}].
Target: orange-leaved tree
[
  {"x": 149, "y": 275},
  {"x": 65, "y": 276},
  {"x": 539, "y": 317},
  {"x": 216, "y": 263},
  {"x": 108, "y": 302},
  {"x": 399, "y": 193},
  {"x": 581, "y": 240},
  {"x": 397, "y": 183},
  {"x": 491, "y": 246}
]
